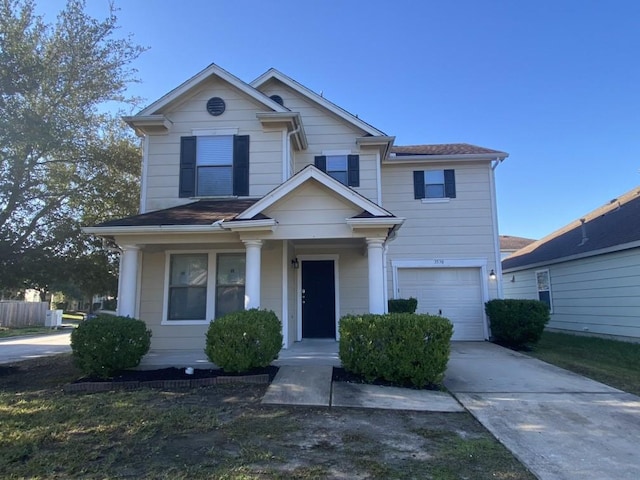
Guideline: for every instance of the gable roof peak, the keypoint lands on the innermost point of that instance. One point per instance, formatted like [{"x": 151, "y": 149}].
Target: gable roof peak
[
  {"x": 351, "y": 118},
  {"x": 200, "y": 77}
]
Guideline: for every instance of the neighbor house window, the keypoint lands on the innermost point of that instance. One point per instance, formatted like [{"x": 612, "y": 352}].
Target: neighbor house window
[
  {"x": 434, "y": 184},
  {"x": 230, "y": 283},
  {"x": 544, "y": 287},
  {"x": 188, "y": 287},
  {"x": 343, "y": 168},
  {"x": 214, "y": 166}
]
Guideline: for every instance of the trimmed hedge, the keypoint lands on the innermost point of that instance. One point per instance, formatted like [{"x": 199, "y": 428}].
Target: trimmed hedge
[
  {"x": 517, "y": 323},
  {"x": 240, "y": 341},
  {"x": 104, "y": 345},
  {"x": 402, "y": 305},
  {"x": 397, "y": 347}
]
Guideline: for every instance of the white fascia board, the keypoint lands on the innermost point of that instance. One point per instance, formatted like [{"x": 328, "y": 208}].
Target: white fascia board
[
  {"x": 578, "y": 256},
  {"x": 298, "y": 179},
  {"x": 200, "y": 77},
  {"x": 444, "y": 158},
  {"x": 250, "y": 225},
  {"x": 311, "y": 95},
  {"x": 152, "y": 229},
  {"x": 374, "y": 222},
  {"x": 384, "y": 144},
  {"x": 292, "y": 120},
  {"x": 148, "y": 124}
]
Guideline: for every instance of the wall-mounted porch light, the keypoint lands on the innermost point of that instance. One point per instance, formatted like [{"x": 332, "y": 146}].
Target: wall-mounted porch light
[
  {"x": 295, "y": 264},
  {"x": 492, "y": 274}
]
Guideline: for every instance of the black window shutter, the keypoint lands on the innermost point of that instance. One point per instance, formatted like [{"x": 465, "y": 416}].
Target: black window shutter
[
  {"x": 241, "y": 165},
  {"x": 450, "y": 183},
  {"x": 418, "y": 184},
  {"x": 321, "y": 162},
  {"x": 353, "y": 174},
  {"x": 187, "y": 185}
]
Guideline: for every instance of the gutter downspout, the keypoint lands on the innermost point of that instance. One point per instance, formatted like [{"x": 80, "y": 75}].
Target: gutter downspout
[
  {"x": 289, "y": 171},
  {"x": 496, "y": 234}
]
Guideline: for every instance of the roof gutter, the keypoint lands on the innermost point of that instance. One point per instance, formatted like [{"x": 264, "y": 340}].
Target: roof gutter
[
  {"x": 152, "y": 229},
  {"x": 441, "y": 158}
]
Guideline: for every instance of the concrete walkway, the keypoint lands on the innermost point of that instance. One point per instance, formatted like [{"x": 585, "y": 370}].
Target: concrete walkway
[
  {"x": 16, "y": 349},
  {"x": 562, "y": 426}
]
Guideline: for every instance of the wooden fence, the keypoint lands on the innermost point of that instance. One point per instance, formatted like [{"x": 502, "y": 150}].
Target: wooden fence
[{"x": 22, "y": 314}]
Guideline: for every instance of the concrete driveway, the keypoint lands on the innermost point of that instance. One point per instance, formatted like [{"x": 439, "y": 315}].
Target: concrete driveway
[
  {"x": 559, "y": 424},
  {"x": 22, "y": 348}
]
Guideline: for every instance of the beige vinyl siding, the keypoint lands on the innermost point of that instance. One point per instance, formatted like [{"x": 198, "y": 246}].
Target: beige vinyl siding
[
  {"x": 265, "y": 164},
  {"x": 354, "y": 282},
  {"x": 325, "y": 131},
  {"x": 596, "y": 295},
  {"x": 311, "y": 212},
  {"x": 520, "y": 285},
  {"x": 456, "y": 229}
]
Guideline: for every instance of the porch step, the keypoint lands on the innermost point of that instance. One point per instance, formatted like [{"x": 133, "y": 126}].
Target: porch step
[{"x": 301, "y": 385}]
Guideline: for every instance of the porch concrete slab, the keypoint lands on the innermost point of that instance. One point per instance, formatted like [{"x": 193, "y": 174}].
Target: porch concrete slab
[
  {"x": 310, "y": 351},
  {"x": 486, "y": 367},
  {"x": 565, "y": 436},
  {"x": 392, "y": 398},
  {"x": 175, "y": 358},
  {"x": 301, "y": 385}
]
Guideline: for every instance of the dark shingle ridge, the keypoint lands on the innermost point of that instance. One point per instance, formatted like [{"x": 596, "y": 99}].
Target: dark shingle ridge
[
  {"x": 613, "y": 224},
  {"x": 442, "y": 149}
]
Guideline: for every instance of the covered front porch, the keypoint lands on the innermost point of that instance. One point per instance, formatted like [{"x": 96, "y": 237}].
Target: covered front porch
[{"x": 307, "y": 352}]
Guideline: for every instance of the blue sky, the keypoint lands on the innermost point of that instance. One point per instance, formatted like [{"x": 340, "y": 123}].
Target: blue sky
[{"x": 556, "y": 83}]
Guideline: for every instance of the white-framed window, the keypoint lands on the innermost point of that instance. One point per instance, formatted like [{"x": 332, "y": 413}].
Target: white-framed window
[
  {"x": 214, "y": 165},
  {"x": 543, "y": 283},
  {"x": 203, "y": 285},
  {"x": 434, "y": 185}
]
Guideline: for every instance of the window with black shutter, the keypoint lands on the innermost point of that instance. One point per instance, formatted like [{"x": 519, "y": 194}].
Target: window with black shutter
[
  {"x": 344, "y": 168},
  {"x": 214, "y": 165},
  {"x": 434, "y": 184}
]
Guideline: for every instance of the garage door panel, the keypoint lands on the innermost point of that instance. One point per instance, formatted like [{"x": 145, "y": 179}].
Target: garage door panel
[{"x": 454, "y": 293}]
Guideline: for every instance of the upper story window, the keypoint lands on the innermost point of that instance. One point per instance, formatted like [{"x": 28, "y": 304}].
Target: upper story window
[
  {"x": 214, "y": 165},
  {"x": 344, "y": 168},
  {"x": 434, "y": 184}
]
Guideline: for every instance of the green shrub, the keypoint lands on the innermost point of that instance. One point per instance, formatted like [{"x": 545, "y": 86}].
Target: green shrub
[
  {"x": 106, "y": 344},
  {"x": 397, "y": 347},
  {"x": 243, "y": 340},
  {"x": 402, "y": 305},
  {"x": 517, "y": 323}
]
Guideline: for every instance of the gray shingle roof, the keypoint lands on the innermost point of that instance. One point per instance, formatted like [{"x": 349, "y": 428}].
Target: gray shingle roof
[
  {"x": 443, "y": 149},
  {"x": 508, "y": 242},
  {"x": 203, "y": 212},
  {"x": 613, "y": 224}
]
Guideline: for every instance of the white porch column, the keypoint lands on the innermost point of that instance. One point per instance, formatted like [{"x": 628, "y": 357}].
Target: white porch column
[
  {"x": 252, "y": 281},
  {"x": 376, "y": 275},
  {"x": 128, "y": 281}
]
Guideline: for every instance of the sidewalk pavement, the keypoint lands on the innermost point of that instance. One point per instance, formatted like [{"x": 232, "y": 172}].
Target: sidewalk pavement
[{"x": 16, "y": 349}]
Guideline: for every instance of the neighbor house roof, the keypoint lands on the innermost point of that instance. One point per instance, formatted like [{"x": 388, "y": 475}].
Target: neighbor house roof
[
  {"x": 508, "y": 242},
  {"x": 610, "y": 227},
  {"x": 443, "y": 149},
  {"x": 203, "y": 212}
]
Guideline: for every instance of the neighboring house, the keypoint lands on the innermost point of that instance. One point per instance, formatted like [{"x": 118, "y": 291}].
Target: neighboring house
[
  {"x": 267, "y": 195},
  {"x": 588, "y": 272},
  {"x": 510, "y": 245}
]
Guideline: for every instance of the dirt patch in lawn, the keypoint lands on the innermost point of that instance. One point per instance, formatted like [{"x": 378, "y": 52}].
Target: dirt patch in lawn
[{"x": 224, "y": 432}]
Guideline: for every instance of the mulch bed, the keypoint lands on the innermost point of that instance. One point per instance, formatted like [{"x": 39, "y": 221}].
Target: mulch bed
[
  {"x": 341, "y": 375},
  {"x": 170, "y": 378}
]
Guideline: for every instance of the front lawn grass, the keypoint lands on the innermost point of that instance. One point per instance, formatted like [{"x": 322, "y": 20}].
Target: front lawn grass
[
  {"x": 6, "y": 332},
  {"x": 608, "y": 361},
  {"x": 224, "y": 432}
]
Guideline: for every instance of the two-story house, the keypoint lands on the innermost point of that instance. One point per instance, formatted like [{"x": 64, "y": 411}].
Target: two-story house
[{"x": 266, "y": 194}]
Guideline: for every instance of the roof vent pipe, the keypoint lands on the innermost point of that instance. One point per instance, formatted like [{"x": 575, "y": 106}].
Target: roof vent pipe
[{"x": 583, "y": 227}]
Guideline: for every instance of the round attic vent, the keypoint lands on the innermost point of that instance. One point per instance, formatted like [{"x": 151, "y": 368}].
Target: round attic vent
[
  {"x": 277, "y": 99},
  {"x": 215, "y": 106}
]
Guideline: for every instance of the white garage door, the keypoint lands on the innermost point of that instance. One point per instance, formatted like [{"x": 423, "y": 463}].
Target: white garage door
[{"x": 454, "y": 293}]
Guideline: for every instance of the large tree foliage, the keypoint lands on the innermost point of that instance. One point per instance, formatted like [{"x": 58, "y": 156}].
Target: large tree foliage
[{"x": 63, "y": 161}]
